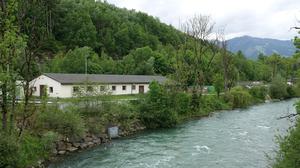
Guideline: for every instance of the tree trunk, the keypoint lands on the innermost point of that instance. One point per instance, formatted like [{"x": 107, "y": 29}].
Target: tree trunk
[
  {"x": 4, "y": 106},
  {"x": 11, "y": 119},
  {"x": 3, "y": 6}
]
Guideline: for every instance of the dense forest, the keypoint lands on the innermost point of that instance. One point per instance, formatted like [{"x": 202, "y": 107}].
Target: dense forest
[
  {"x": 64, "y": 33},
  {"x": 38, "y": 36}
]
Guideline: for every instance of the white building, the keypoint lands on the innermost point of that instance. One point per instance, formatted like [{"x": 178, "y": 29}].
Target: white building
[{"x": 69, "y": 85}]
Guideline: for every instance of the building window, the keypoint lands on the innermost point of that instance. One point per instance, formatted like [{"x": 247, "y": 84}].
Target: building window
[
  {"x": 50, "y": 89},
  {"x": 113, "y": 88},
  {"x": 133, "y": 87},
  {"x": 102, "y": 88},
  {"x": 123, "y": 87},
  {"x": 90, "y": 88},
  {"x": 75, "y": 89}
]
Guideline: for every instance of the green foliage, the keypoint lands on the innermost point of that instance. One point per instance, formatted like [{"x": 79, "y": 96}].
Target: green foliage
[
  {"x": 288, "y": 154},
  {"x": 24, "y": 152},
  {"x": 211, "y": 103},
  {"x": 239, "y": 98},
  {"x": 157, "y": 110},
  {"x": 67, "y": 123},
  {"x": 182, "y": 102},
  {"x": 75, "y": 60},
  {"x": 74, "y": 26},
  {"x": 9, "y": 151},
  {"x": 291, "y": 92},
  {"x": 278, "y": 88},
  {"x": 100, "y": 112},
  {"x": 34, "y": 149},
  {"x": 259, "y": 93},
  {"x": 139, "y": 61},
  {"x": 218, "y": 82}
]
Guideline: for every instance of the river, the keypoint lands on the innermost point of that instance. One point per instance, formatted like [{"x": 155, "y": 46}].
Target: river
[{"x": 227, "y": 139}]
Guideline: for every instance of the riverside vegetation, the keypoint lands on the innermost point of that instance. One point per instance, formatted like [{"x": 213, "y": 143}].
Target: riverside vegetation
[{"x": 39, "y": 36}]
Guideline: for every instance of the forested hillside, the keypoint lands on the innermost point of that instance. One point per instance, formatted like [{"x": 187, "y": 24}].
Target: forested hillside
[
  {"x": 38, "y": 36},
  {"x": 66, "y": 33},
  {"x": 253, "y": 46}
]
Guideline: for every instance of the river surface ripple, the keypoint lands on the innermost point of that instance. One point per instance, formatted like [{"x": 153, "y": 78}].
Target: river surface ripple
[{"x": 228, "y": 139}]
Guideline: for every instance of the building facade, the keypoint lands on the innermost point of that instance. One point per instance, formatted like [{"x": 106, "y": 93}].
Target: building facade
[{"x": 72, "y": 85}]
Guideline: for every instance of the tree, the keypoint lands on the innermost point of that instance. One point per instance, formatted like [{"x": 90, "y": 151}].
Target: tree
[
  {"x": 139, "y": 61},
  {"x": 75, "y": 60},
  {"x": 198, "y": 51},
  {"x": 158, "y": 110},
  {"x": 218, "y": 83},
  {"x": 11, "y": 48},
  {"x": 274, "y": 61},
  {"x": 74, "y": 26},
  {"x": 226, "y": 61},
  {"x": 278, "y": 88}
]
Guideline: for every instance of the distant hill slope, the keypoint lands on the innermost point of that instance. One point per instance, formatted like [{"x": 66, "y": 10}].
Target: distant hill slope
[{"x": 252, "y": 46}]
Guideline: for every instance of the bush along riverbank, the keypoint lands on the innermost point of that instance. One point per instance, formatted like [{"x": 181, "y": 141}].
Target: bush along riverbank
[
  {"x": 287, "y": 156},
  {"x": 162, "y": 107},
  {"x": 81, "y": 123}
]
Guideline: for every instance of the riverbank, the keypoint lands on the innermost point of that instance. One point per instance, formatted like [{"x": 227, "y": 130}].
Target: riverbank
[
  {"x": 65, "y": 147},
  {"x": 234, "y": 138},
  {"x": 84, "y": 124}
]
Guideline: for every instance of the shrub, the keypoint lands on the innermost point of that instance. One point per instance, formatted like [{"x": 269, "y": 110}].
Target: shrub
[
  {"x": 212, "y": 103},
  {"x": 289, "y": 152},
  {"x": 9, "y": 151},
  {"x": 182, "y": 102},
  {"x": 67, "y": 123},
  {"x": 157, "y": 109},
  {"x": 24, "y": 152},
  {"x": 278, "y": 88},
  {"x": 239, "y": 97},
  {"x": 100, "y": 112},
  {"x": 291, "y": 91},
  {"x": 35, "y": 148},
  {"x": 218, "y": 82},
  {"x": 259, "y": 93}
]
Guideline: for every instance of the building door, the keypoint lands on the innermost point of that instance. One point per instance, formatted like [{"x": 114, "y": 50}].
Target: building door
[
  {"x": 141, "y": 89},
  {"x": 42, "y": 90}
]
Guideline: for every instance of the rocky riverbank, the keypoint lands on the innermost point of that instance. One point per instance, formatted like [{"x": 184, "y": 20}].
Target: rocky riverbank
[{"x": 65, "y": 146}]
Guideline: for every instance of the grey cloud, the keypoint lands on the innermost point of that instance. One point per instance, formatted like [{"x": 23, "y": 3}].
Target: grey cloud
[{"x": 268, "y": 18}]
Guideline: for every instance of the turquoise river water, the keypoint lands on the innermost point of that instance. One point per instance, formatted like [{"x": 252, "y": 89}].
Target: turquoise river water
[{"x": 228, "y": 139}]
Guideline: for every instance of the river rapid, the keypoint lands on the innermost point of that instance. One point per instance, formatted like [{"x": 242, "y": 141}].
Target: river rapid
[{"x": 227, "y": 139}]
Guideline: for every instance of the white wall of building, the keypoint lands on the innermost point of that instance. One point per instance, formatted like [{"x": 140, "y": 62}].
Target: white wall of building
[
  {"x": 129, "y": 89},
  {"x": 47, "y": 82},
  {"x": 66, "y": 91}
]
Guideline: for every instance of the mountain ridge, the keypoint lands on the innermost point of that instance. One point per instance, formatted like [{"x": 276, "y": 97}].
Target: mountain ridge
[{"x": 253, "y": 46}]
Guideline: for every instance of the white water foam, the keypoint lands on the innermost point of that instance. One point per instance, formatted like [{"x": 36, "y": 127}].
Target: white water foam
[
  {"x": 203, "y": 148},
  {"x": 262, "y": 126}
]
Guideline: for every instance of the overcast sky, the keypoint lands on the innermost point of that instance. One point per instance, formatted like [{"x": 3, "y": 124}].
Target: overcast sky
[{"x": 259, "y": 18}]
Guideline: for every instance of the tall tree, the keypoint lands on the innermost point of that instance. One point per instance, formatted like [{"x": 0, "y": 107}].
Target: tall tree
[
  {"x": 201, "y": 48},
  {"x": 11, "y": 47}
]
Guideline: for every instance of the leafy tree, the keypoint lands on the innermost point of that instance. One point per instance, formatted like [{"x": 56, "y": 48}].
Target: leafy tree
[
  {"x": 278, "y": 88},
  {"x": 157, "y": 110},
  {"x": 74, "y": 26},
  {"x": 9, "y": 149},
  {"x": 67, "y": 123},
  {"x": 259, "y": 93},
  {"x": 239, "y": 97},
  {"x": 218, "y": 83},
  {"x": 75, "y": 60},
  {"x": 139, "y": 61},
  {"x": 288, "y": 155},
  {"x": 12, "y": 46}
]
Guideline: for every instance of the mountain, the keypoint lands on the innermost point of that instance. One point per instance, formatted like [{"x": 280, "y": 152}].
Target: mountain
[{"x": 253, "y": 46}]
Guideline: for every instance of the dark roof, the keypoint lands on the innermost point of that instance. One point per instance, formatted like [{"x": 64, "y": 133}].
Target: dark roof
[{"x": 100, "y": 78}]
